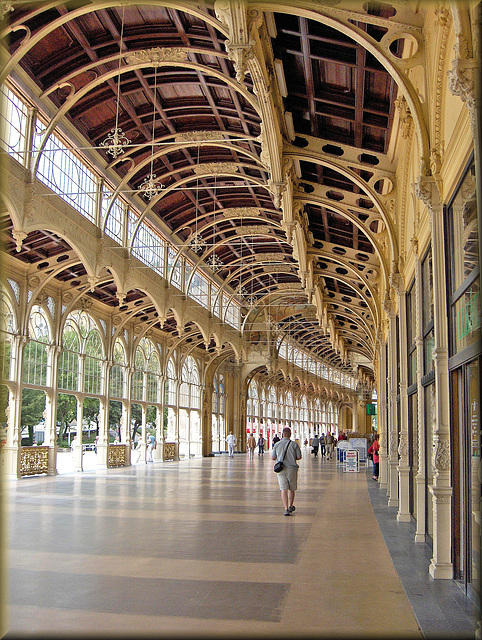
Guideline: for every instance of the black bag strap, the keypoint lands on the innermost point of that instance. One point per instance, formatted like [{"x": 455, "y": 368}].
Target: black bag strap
[{"x": 286, "y": 449}]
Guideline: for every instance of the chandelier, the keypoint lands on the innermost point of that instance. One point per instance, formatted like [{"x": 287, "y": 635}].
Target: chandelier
[{"x": 117, "y": 141}]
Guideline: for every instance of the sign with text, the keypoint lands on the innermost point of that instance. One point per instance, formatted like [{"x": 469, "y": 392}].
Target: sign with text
[{"x": 351, "y": 460}]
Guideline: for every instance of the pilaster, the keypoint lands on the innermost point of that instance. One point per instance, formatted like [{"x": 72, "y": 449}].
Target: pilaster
[
  {"x": 382, "y": 422},
  {"x": 403, "y": 514},
  {"x": 420, "y": 479},
  {"x": 441, "y": 490},
  {"x": 392, "y": 489}
]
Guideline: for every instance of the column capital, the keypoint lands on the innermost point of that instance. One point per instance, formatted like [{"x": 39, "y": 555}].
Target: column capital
[{"x": 462, "y": 83}]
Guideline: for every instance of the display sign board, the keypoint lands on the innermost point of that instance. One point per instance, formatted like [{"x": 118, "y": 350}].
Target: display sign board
[
  {"x": 371, "y": 409},
  {"x": 341, "y": 447},
  {"x": 351, "y": 460},
  {"x": 360, "y": 444}
]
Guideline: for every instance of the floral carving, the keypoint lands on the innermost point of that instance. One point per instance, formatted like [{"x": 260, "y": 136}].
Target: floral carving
[
  {"x": 157, "y": 56},
  {"x": 441, "y": 456}
]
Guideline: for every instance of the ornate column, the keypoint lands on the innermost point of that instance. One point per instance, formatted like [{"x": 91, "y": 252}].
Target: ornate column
[
  {"x": 441, "y": 490},
  {"x": 355, "y": 415},
  {"x": 143, "y": 433},
  {"x": 403, "y": 514},
  {"x": 78, "y": 453},
  {"x": 50, "y": 413},
  {"x": 103, "y": 441},
  {"x": 392, "y": 489},
  {"x": 158, "y": 451},
  {"x": 125, "y": 430},
  {"x": 11, "y": 450},
  {"x": 206, "y": 424},
  {"x": 382, "y": 414},
  {"x": 126, "y": 414},
  {"x": 420, "y": 478}
]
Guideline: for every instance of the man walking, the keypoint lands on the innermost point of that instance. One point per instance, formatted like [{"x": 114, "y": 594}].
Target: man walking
[
  {"x": 329, "y": 446},
  {"x": 231, "y": 440},
  {"x": 289, "y": 452},
  {"x": 251, "y": 445},
  {"x": 314, "y": 443},
  {"x": 322, "y": 445}
]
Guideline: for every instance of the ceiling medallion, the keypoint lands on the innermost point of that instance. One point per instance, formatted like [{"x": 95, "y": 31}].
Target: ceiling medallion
[
  {"x": 215, "y": 263},
  {"x": 150, "y": 187},
  {"x": 197, "y": 244},
  {"x": 115, "y": 142}
]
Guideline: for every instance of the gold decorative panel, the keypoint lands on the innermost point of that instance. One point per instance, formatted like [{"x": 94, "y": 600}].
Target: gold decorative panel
[
  {"x": 116, "y": 455},
  {"x": 34, "y": 460},
  {"x": 169, "y": 451}
]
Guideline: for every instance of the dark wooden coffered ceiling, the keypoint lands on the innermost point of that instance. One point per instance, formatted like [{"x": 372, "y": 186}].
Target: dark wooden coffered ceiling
[{"x": 336, "y": 92}]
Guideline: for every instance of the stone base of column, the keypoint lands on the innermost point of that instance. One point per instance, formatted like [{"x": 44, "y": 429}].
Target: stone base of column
[
  {"x": 419, "y": 537},
  {"x": 403, "y": 517},
  {"x": 441, "y": 570},
  {"x": 393, "y": 502},
  {"x": 10, "y": 463},
  {"x": 478, "y": 631},
  {"x": 102, "y": 455}
]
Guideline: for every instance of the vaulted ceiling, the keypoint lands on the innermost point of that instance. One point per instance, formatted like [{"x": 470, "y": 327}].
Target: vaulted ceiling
[{"x": 195, "y": 160}]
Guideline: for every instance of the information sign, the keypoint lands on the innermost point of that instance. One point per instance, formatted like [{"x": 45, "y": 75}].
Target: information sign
[{"x": 351, "y": 460}]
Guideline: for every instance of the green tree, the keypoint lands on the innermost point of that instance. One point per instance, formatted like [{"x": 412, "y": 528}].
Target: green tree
[
  {"x": 136, "y": 418},
  {"x": 66, "y": 412},
  {"x": 91, "y": 412},
  {"x": 33, "y": 406},
  {"x": 115, "y": 414}
]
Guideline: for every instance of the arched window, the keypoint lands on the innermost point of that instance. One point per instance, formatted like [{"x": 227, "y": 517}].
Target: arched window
[
  {"x": 147, "y": 372},
  {"x": 93, "y": 362},
  {"x": 35, "y": 352},
  {"x": 153, "y": 375},
  {"x": 68, "y": 371},
  {"x": 170, "y": 388},
  {"x": 117, "y": 372},
  {"x": 140, "y": 365},
  {"x": 190, "y": 392},
  {"x": 80, "y": 336},
  {"x": 7, "y": 330}
]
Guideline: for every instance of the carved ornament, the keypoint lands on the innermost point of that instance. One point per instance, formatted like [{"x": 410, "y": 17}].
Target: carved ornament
[
  {"x": 199, "y": 136},
  {"x": 461, "y": 83},
  {"x": 405, "y": 116},
  {"x": 441, "y": 456},
  {"x": 403, "y": 447},
  {"x": 252, "y": 230},
  {"x": 157, "y": 56},
  {"x": 241, "y": 212},
  {"x": 423, "y": 191},
  {"x": 216, "y": 167}
]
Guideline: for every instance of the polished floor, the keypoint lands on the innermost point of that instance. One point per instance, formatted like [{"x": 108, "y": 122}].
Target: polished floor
[{"x": 201, "y": 548}]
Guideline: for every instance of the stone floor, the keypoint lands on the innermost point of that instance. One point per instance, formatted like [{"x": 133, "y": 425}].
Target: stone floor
[{"x": 201, "y": 548}]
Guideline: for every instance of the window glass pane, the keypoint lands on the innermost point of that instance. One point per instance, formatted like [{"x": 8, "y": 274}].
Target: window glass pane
[
  {"x": 13, "y": 124},
  {"x": 198, "y": 289},
  {"x": 115, "y": 220},
  {"x": 66, "y": 175},
  {"x": 148, "y": 247},
  {"x": 174, "y": 271},
  {"x": 428, "y": 346},
  {"x": 466, "y": 317},
  {"x": 463, "y": 231}
]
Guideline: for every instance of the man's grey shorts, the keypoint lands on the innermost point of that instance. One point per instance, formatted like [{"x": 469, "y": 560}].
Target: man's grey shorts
[{"x": 287, "y": 478}]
